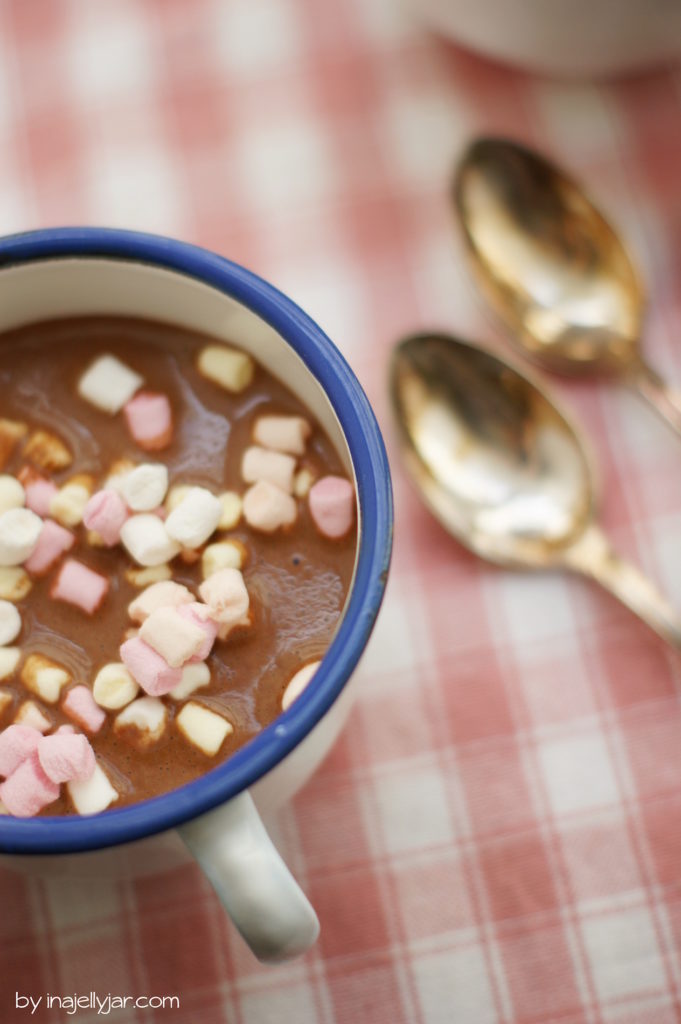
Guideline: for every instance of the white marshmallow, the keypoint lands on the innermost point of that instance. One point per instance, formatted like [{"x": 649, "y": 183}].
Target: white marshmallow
[
  {"x": 231, "y": 510},
  {"x": 261, "y": 464},
  {"x": 227, "y": 367},
  {"x": 302, "y": 482},
  {"x": 282, "y": 433},
  {"x": 15, "y": 583},
  {"x": 165, "y": 594},
  {"x": 226, "y": 595},
  {"x": 29, "y": 713},
  {"x": 195, "y": 518},
  {"x": 297, "y": 683},
  {"x": 118, "y": 471},
  {"x": 174, "y": 638},
  {"x": 68, "y": 504},
  {"x": 108, "y": 384},
  {"x": 12, "y": 494},
  {"x": 146, "y": 539},
  {"x": 267, "y": 508},
  {"x": 92, "y": 795},
  {"x": 176, "y": 495},
  {"x": 10, "y": 623},
  {"x": 203, "y": 728},
  {"x": 9, "y": 659},
  {"x": 146, "y": 717},
  {"x": 194, "y": 676},
  {"x": 114, "y": 687},
  {"x": 224, "y": 554},
  {"x": 44, "y": 677},
  {"x": 153, "y": 574},
  {"x": 144, "y": 488},
  {"x": 20, "y": 531}
]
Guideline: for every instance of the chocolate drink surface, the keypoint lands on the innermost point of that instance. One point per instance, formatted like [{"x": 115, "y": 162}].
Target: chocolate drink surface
[{"x": 296, "y": 576}]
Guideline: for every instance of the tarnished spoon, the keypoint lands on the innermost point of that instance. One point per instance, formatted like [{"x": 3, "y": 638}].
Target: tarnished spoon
[
  {"x": 504, "y": 471},
  {"x": 553, "y": 268}
]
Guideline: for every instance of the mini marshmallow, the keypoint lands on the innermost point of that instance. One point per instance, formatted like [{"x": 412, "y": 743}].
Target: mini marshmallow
[
  {"x": 224, "y": 554},
  {"x": 261, "y": 464},
  {"x": 20, "y": 531},
  {"x": 176, "y": 495},
  {"x": 143, "y": 722},
  {"x": 12, "y": 494},
  {"x": 39, "y": 492},
  {"x": 53, "y": 542},
  {"x": 93, "y": 795},
  {"x": 332, "y": 506},
  {"x": 195, "y": 518},
  {"x": 114, "y": 687},
  {"x": 143, "y": 577},
  {"x": 11, "y": 431},
  {"x": 148, "y": 668},
  {"x": 48, "y": 451},
  {"x": 28, "y": 789},
  {"x": 9, "y": 659},
  {"x": 10, "y": 623},
  {"x": 118, "y": 470},
  {"x": 66, "y": 757},
  {"x": 226, "y": 596},
  {"x": 302, "y": 482},
  {"x": 80, "y": 586},
  {"x": 231, "y": 510},
  {"x": 29, "y": 713},
  {"x": 79, "y": 705},
  {"x": 15, "y": 583},
  {"x": 147, "y": 540},
  {"x": 175, "y": 638},
  {"x": 144, "y": 488},
  {"x": 108, "y": 384},
  {"x": 149, "y": 419},
  {"x": 17, "y": 742},
  {"x": 203, "y": 728},
  {"x": 105, "y": 513},
  {"x": 166, "y": 594},
  {"x": 227, "y": 367},
  {"x": 69, "y": 503},
  {"x": 199, "y": 615},
  {"x": 267, "y": 508},
  {"x": 297, "y": 683},
  {"x": 194, "y": 676},
  {"x": 44, "y": 677},
  {"x": 282, "y": 433}
]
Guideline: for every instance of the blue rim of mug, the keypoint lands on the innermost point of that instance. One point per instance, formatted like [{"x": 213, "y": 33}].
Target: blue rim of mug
[{"x": 69, "y": 834}]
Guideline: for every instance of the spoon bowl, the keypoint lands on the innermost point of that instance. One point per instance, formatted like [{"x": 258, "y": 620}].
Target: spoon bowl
[
  {"x": 553, "y": 267},
  {"x": 504, "y": 470}
]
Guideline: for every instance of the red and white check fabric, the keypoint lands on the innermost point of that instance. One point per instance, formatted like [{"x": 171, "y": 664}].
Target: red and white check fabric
[{"x": 496, "y": 839}]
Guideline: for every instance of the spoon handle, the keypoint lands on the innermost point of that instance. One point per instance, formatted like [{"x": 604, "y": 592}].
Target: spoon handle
[
  {"x": 593, "y": 556},
  {"x": 665, "y": 400}
]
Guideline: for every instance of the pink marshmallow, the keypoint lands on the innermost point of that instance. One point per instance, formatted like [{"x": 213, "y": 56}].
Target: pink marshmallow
[
  {"x": 332, "y": 506},
  {"x": 39, "y": 493},
  {"x": 149, "y": 669},
  {"x": 105, "y": 513},
  {"x": 64, "y": 757},
  {"x": 79, "y": 704},
  {"x": 53, "y": 542},
  {"x": 17, "y": 742},
  {"x": 28, "y": 789},
  {"x": 150, "y": 420},
  {"x": 80, "y": 586},
  {"x": 199, "y": 615}
]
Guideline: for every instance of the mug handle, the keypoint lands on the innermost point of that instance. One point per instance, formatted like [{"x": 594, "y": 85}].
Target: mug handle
[{"x": 266, "y": 904}]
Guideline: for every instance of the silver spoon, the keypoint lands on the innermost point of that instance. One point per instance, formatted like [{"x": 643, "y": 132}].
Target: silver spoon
[
  {"x": 554, "y": 269},
  {"x": 504, "y": 471}
]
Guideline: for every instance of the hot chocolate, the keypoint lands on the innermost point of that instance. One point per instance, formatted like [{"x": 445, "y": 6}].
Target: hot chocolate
[{"x": 177, "y": 540}]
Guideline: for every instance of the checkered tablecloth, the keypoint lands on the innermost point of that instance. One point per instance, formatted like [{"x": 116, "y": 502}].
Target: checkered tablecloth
[{"x": 497, "y": 835}]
